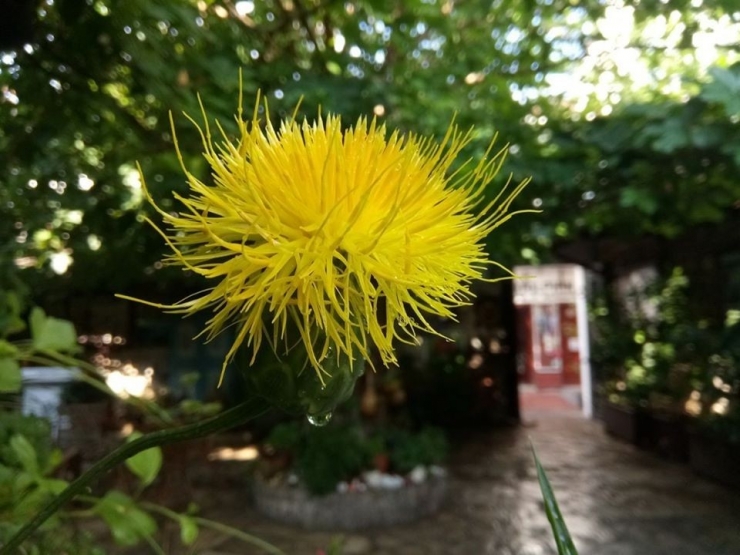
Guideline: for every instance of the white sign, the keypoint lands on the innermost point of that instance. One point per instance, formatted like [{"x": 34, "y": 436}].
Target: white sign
[{"x": 550, "y": 284}]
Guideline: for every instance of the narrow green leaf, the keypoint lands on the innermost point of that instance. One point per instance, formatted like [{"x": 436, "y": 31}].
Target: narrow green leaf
[
  {"x": 10, "y": 375},
  {"x": 147, "y": 464},
  {"x": 559, "y": 529}
]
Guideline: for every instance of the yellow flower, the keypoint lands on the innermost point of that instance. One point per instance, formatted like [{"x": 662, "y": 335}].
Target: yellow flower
[{"x": 319, "y": 227}]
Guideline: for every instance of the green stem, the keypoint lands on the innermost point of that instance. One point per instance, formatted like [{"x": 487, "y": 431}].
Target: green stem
[
  {"x": 91, "y": 375},
  {"x": 238, "y": 534},
  {"x": 217, "y": 526},
  {"x": 241, "y": 413}
]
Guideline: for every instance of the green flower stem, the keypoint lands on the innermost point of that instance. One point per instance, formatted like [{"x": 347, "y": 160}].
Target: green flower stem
[
  {"x": 238, "y": 534},
  {"x": 217, "y": 526},
  {"x": 241, "y": 413}
]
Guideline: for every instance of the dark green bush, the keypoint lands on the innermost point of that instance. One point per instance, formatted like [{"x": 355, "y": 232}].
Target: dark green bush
[
  {"x": 721, "y": 390},
  {"x": 329, "y": 456},
  {"x": 428, "y": 447},
  {"x": 285, "y": 437},
  {"x": 654, "y": 349},
  {"x": 324, "y": 457}
]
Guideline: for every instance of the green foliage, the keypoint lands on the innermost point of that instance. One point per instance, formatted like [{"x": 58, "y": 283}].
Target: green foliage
[
  {"x": 330, "y": 455},
  {"x": 325, "y": 456},
  {"x": 720, "y": 392},
  {"x": 10, "y": 372},
  {"x": 127, "y": 63},
  {"x": 51, "y": 340},
  {"x": 26, "y": 463},
  {"x": 129, "y": 524},
  {"x": 52, "y": 334},
  {"x": 425, "y": 448},
  {"x": 11, "y": 309},
  {"x": 145, "y": 465},
  {"x": 29, "y": 483},
  {"x": 188, "y": 530},
  {"x": 659, "y": 167},
  {"x": 655, "y": 350},
  {"x": 35, "y": 431},
  {"x": 724, "y": 90},
  {"x": 285, "y": 437}
]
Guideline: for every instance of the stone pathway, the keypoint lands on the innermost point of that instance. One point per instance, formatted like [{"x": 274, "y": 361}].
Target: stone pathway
[{"x": 616, "y": 501}]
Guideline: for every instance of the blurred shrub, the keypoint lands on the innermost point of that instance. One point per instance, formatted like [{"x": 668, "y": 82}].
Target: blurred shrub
[
  {"x": 426, "y": 448},
  {"x": 720, "y": 395},
  {"x": 37, "y": 432},
  {"x": 654, "y": 352},
  {"x": 339, "y": 452}
]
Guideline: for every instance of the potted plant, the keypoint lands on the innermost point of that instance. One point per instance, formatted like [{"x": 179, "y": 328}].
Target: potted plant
[
  {"x": 663, "y": 349},
  {"x": 623, "y": 391},
  {"x": 715, "y": 436},
  {"x": 345, "y": 476}
]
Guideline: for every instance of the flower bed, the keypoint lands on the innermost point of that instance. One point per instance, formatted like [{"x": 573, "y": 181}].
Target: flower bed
[{"x": 353, "y": 509}]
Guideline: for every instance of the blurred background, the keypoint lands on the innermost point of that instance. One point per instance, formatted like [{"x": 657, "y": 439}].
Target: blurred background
[{"x": 626, "y": 115}]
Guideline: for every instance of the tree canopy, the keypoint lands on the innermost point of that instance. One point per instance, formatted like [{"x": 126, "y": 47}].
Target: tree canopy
[{"x": 612, "y": 109}]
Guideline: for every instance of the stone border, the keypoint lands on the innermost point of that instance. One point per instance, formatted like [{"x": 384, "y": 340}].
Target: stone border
[{"x": 351, "y": 510}]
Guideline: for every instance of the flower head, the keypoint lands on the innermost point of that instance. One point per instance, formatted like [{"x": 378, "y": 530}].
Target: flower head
[{"x": 352, "y": 237}]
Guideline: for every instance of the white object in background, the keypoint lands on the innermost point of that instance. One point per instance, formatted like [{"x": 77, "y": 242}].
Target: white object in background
[
  {"x": 583, "y": 340},
  {"x": 418, "y": 475},
  {"x": 42, "y": 394}
]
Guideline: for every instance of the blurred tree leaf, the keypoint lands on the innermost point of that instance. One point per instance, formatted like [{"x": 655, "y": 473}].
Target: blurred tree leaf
[
  {"x": 724, "y": 89},
  {"x": 90, "y": 94}
]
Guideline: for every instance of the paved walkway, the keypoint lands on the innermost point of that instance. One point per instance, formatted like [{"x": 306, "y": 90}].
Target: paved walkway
[
  {"x": 533, "y": 400},
  {"x": 616, "y": 500}
]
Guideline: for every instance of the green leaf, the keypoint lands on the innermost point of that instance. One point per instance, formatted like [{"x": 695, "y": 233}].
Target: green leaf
[
  {"x": 52, "y": 334},
  {"x": 724, "y": 89},
  {"x": 7, "y": 349},
  {"x": 559, "y": 529},
  {"x": 644, "y": 201},
  {"x": 188, "y": 529},
  {"x": 25, "y": 453},
  {"x": 37, "y": 319},
  {"x": 53, "y": 485},
  {"x": 10, "y": 314},
  {"x": 147, "y": 464},
  {"x": 10, "y": 375},
  {"x": 128, "y": 523}
]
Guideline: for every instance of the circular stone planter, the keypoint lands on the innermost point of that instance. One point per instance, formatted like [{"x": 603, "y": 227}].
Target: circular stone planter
[{"x": 351, "y": 510}]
